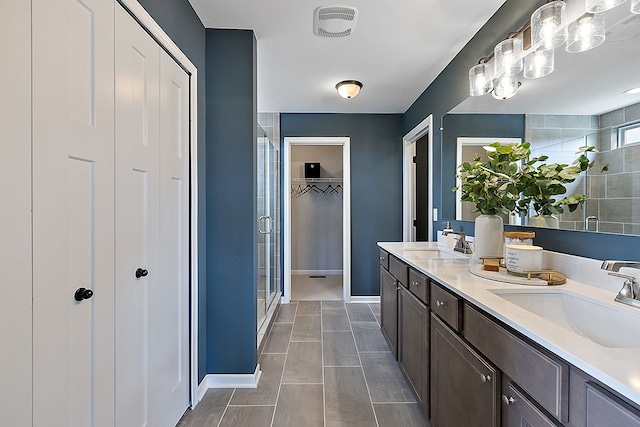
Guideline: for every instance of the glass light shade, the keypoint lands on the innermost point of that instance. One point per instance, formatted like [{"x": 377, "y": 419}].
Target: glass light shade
[
  {"x": 480, "y": 80},
  {"x": 505, "y": 88},
  {"x": 635, "y": 6},
  {"x": 595, "y": 6},
  {"x": 349, "y": 88},
  {"x": 538, "y": 64},
  {"x": 508, "y": 57},
  {"x": 586, "y": 33},
  {"x": 549, "y": 25}
]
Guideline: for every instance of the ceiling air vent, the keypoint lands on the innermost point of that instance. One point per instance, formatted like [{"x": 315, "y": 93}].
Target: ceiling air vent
[{"x": 334, "y": 21}]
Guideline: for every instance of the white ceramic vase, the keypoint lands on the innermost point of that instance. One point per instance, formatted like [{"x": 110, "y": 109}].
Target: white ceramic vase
[
  {"x": 544, "y": 221},
  {"x": 488, "y": 240}
]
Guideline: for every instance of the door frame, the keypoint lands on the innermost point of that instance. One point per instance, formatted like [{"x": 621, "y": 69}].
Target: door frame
[
  {"x": 163, "y": 39},
  {"x": 425, "y": 127},
  {"x": 345, "y": 142}
]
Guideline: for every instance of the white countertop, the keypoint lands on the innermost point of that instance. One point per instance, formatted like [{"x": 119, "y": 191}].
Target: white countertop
[{"x": 618, "y": 368}]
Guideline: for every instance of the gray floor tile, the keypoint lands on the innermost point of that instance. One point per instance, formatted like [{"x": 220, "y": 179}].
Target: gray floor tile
[
  {"x": 247, "y": 416},
  {"x": 339, "y": 349},
  {"x": 335, "y": 320},
  {"x": 286, "y": 313},
  {"x": 209, "y": 411},
  {"x": 278, "y": 339},
  {"x": 375, "y": 308},
  {"x": 360, "y": 313},
  {"x": 300, "y": 405},
  {"x": 267, "y": 391},
  {"x": 399, "y": 414},
  {"x": 306, "y": 328},
  {"x": 368, "y": 337},
  {"x": 304, "y": 363},
  {"x": 386, "y": 383},
  {"x": 332, "y": 304},
  {"x": 347, "y": 401},
  {"x": 308, "y": 308}
]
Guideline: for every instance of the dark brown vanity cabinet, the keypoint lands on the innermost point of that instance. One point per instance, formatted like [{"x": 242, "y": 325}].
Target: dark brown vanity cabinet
[
  {"x": 389, "y": 309},
  {"x": 464, "y": 385},
  {"x": 413, "y": 345}
]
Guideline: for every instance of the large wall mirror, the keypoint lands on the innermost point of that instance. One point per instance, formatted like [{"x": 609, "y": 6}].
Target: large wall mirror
[{"x": 583, "y": 102}]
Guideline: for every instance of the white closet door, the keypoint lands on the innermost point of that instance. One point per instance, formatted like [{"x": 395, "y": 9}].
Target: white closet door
[
  {"x": 169, "y": 332},
  {"x": 73, "y": 213},
  {"x": 15, "y": 215},
  {"x": 152, "y": 141},
  {"x": 138, "y": 274}
]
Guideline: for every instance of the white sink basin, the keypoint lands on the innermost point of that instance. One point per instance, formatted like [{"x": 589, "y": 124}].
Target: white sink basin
[
  {"x": 603, "y": 323},
  {"x": 431, "y": 254}
]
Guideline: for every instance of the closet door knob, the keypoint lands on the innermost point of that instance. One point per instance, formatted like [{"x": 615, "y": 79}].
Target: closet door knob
[
  {"x": 83, "y": 294},
  {"x": 141, "y": 272}
]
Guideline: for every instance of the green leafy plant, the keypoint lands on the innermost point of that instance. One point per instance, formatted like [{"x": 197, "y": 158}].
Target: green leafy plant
[
  {"x": 543, "y": 185},
  {"x": 492, "y": 186}
]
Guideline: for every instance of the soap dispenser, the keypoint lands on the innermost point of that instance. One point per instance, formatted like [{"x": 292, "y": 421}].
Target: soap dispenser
[{"x": 447, "y": 241}]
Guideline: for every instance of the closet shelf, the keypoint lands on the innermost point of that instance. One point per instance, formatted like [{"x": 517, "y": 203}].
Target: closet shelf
[{"x": 305, "y": 180}]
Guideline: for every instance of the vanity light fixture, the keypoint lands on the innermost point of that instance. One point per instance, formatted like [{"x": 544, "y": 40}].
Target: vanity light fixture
[
  {"x": 508, "y": 57},
  {"x": 349, "y": 88},
  {"x": 635, "y": 6},
  {"x": 586, "y": 32},
  {"x": 549, "y": 25},
  {"x": 538, "y": 64},
  {"x": 632, "y": 91},
  {"x": 480, "y": 79},
  {"x": 505, "y": 87},
  {"x": 596, "y": 6}
]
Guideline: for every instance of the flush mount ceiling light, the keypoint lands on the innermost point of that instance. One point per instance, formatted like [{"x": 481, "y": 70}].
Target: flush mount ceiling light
[
  {"x": 349, "y": 88},
  {"x": 549, "y": 25},
  {"x": 632, "y": 91},
  {"x": 596, "y": 6},
  {"x": 586, "y": 33}
]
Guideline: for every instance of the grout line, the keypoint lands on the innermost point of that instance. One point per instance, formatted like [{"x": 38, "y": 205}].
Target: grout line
[
  {"x": 284, "y": 366},
  {"x": 226, "y": 407},
  {"x": 375, "y": 417},
  {"x": 324, "y": 399}
]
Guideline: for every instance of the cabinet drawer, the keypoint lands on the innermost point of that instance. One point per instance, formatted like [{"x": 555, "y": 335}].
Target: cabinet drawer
[
  {"x": 544, "y": 378},
  {"x": 446, "y": 306},
  {"x": 518, "y": 410},
  {"x": 400, "y": 270},
  {"x": 605, "y": 409},
  {"x": 418, "y": 284},
  {"x": 384, "y": 259}
]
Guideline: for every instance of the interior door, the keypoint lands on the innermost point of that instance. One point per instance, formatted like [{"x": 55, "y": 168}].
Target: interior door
[
  {"x": 73, "y": 175},
  {"x": 422, "y": 189},
  {"x": 152, "y": 140}
]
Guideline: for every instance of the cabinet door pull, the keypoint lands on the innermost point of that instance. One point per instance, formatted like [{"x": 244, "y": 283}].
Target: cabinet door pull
[
  {"x": 508, "y": 400},
  {"x": 440, "y": 303},
  {"x": 485, "y": 378},
  {"x": 414, "y": 283}
]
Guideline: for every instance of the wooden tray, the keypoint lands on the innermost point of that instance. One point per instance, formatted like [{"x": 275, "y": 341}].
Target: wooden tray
[{"x": 505, "y": 277}]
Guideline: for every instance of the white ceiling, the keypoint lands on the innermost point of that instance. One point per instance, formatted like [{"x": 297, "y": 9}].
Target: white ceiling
[{"x": 396, "y": 50}]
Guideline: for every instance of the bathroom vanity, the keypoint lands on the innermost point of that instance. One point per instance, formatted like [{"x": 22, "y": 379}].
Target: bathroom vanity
[{"x": 477, "y": 352}]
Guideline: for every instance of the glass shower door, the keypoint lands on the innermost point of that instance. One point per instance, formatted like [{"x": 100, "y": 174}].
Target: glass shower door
[{"x": 267, "y": 241}]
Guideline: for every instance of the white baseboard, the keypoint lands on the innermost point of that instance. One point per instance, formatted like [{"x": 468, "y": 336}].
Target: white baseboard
[
  {"x": 228, "y": 381},
  {"x": 316, "y": 272},
  {"x": 365, "y": 299}
]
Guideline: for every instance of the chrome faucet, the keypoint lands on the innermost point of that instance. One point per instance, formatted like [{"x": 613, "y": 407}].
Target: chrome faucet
[
  {"x": 461, "y": 244},
  {"x": 630, "y": 292}
]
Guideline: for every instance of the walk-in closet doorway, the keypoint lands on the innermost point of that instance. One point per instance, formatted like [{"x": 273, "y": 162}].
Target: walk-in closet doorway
[{"x": 317, "y": 217}]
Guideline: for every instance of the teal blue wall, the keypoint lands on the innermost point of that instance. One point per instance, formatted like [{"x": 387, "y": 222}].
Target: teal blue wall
[
  {"x": 231, "y": 120},
  {"x": 376, "y": 182}
]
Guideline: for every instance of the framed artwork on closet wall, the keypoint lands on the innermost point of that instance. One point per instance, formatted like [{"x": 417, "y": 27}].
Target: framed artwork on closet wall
[{"x": 344, "y": 142}]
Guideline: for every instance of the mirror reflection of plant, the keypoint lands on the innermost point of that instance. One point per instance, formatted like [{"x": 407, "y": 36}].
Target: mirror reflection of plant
[
  {"x": 492, "y": 186},
  {"x": 543, "y": 184}
]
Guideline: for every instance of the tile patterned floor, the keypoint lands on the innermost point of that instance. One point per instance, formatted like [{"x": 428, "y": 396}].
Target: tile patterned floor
[{"x": 324, "y": 364}]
